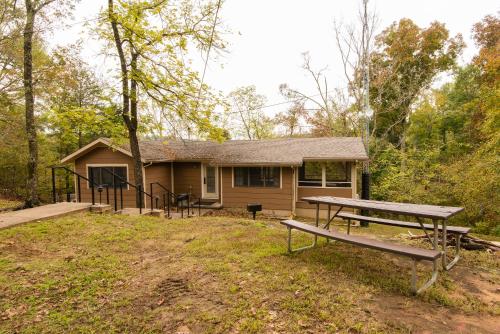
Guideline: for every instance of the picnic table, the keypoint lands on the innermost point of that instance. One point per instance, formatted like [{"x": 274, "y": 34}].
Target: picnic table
[{"x": 418, "y": 211}]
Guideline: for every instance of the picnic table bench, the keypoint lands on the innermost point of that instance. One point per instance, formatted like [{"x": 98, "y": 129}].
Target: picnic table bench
[
  {"x": 416, "y": 254},
  {"x": 418, "y": 211}
]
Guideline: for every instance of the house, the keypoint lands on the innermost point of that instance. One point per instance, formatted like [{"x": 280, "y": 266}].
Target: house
[{"x": 273, "y": 172}]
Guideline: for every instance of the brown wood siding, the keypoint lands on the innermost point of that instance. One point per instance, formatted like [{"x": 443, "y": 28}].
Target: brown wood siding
[
  {"x": 102, "y": 156},
  {"x": 270, "y": 198},
  {"x": 306, "y": 191},
  {"x": 159, "y": 172},
  {"x": 187, "y": 177}
]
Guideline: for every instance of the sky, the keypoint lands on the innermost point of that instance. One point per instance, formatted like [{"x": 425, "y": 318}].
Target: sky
[{"x": 268, "y": 38}]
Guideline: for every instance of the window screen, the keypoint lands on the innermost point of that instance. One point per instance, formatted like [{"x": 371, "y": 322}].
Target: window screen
[
  {"x": 103, "y": 175},
  {"x": 311, "y": 174},
  {"x": 338, "y": 174},
  {"x": 257, "y": 177}
]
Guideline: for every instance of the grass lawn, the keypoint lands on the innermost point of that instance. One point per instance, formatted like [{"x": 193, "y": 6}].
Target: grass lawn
[
  {"x": 116, "y": 274},
  {"x": 6, "y": 204}
]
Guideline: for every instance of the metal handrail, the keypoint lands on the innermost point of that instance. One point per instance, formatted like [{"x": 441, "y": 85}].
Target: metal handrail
[
  {"x": 137, "y": 187},
  {"x": 94, "y": 184},
  {"x": 172, "y": 195},
  {"x": 166, "y": 203},
  {"x": 199, "y": 203}
]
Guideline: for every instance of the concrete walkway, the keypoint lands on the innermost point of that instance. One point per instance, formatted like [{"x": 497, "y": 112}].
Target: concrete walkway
[{"x": 14, "y": 218}]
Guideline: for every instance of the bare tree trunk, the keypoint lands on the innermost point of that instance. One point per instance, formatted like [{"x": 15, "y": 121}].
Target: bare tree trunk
[
  {"x": 32, "y": 182},
  {"x": 129, "y": 98},
  {"x": 132, "y": 125}
]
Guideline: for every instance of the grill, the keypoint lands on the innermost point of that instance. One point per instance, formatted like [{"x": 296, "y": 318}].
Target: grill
[
  {"x": 182, "y": 200},
  {"x": 253, "y": 208}
]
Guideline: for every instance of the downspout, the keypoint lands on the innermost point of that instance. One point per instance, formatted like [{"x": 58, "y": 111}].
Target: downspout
[
  {"x": 294, "y": 191},
  {"x": 144, "y": 182},
  {"x": 172, "y": 176},
  {"x": 220, "y": 184}
]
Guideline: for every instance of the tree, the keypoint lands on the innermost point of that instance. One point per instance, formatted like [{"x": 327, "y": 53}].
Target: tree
[
  {"x": 77, "y": 110},
  {"x": 11, "y": 58},
  {"x": 33, "y": 8},
  {"x": 291, "y": 119},
  {"x": 405, "y": 61},
  {"x": 332, "y": 112},
  {"x": 150, "y": 39},
  {"x": 247, "y": 111},
  {"x": 339, "y": 111},
  {"x": 452, "y": 142}
]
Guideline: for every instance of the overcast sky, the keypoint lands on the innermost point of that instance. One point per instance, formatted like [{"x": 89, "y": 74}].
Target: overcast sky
[{"x": 269, "y": 37}]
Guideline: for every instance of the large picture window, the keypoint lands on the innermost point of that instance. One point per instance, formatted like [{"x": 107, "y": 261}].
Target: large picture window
[
  {"x": 325, "y": 174},
  {"x": 102, "y": 175},
  {"x": 257, "y": 177}
]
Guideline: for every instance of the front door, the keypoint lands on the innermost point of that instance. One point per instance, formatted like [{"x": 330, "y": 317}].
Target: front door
[{"x": 210, "y": 181}]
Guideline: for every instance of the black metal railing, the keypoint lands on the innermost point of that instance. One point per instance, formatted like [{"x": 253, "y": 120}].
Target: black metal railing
[
  {"x": 92, "y": 185},
  {"x": 139, "y": 188},
  {"x": 100, "y": 187},
  {"x": 170, "y": 198}
]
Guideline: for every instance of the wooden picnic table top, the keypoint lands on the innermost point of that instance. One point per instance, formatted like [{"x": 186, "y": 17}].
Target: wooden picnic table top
[{"x": 408, "y": 209}]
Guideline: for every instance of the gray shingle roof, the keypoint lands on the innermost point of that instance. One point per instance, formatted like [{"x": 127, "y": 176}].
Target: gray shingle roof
[{"x": 283, "y": 151}]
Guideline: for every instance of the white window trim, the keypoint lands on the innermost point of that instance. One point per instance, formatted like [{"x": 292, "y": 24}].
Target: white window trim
[
  {"x": 323, "y": 176},
  {"x": 104, "y": 165},
  {"x": 281, "y": 178}
]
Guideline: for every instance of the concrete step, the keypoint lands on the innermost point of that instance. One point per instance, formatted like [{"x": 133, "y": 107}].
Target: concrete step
[
  {"x": 136, "y": 212},
  {"x": 100, "y": 208}
]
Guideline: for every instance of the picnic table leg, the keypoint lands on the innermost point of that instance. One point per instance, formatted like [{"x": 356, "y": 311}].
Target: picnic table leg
[
  {"x": 436, "y": 232},
  {"x": 317, "y": 224},
  {"x": 448, "y": 266},
  {"x": 328, "y": 220},
  {"x": 427, "y": 284},
  {"x": 289, "y": 243},
  {"x": 289, "y": 240},
  {"x": 444, "y": 241}
]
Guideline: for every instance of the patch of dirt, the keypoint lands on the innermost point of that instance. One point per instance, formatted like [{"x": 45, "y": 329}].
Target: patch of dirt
[
  {"x": 420, "y": 317},
  {"x": 170, "y": 289},
  {"x": 481, "y": 285},
  {"x": 240, "y": 213}
]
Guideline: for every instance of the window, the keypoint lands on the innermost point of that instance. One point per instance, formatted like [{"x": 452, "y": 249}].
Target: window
[
  {"x": 337, "y": 174},
  {"x": 311, "y": 174},
  {"x": 102, "y": 175},
  {"x": 325, "y": 174},
  {"x": 257, "y": 177}
]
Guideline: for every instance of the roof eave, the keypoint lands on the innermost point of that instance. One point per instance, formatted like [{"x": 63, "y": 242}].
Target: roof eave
[
  {"x": 89, "y": 147},
  {"x": 358, "y": 158}
]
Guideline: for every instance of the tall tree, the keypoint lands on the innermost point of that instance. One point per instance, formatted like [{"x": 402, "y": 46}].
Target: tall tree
[
  {"x": 338, "y": 111},
  {"x": 33, "y": 8},
  {"x": 405, "y": 61},
  {"x": 76, "y": 108},
  {"x": 11, "y": 57},
  {"x": 331, "y": 112},
  {"x": 247, "y": 112},
  {"x": 150, "y": 38},
  {"x": 291, "y": 120}
]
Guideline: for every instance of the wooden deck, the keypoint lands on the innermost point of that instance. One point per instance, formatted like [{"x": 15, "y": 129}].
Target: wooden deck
[{"x": 14, "y": 218}]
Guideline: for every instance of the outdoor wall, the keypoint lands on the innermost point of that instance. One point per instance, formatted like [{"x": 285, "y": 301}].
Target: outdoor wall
[
  {"x": 106, "y": 156},
  {"x": 187, "y": 177},
  {"x": 270, "y": 198},
  {"x": 158, "y": 172}
]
